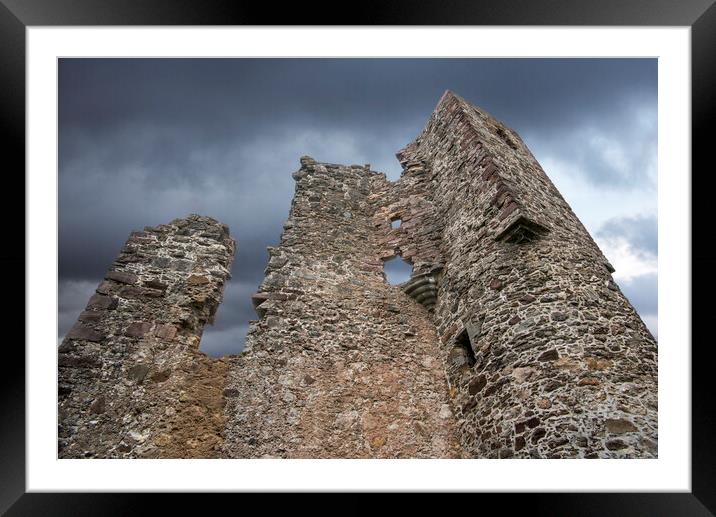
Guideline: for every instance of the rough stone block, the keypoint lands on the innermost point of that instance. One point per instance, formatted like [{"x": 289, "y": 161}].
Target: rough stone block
[
  {"x": 138, "y": 329},
  {"x": 122, "y": 277},
  {"x": 83, "y": 332}
]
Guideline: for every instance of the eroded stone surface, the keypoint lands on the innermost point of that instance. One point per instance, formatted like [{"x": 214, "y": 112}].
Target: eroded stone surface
[{"x": 340, "y": 364}]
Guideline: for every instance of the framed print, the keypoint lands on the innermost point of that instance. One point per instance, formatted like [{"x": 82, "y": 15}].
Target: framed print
[{"x": 510, "y": 297}]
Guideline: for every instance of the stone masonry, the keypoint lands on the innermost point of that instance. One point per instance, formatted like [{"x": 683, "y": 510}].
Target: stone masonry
[
  {"x": 340, "y": 364},
  {"x": 544, "y": 355},
  {"x": 510, "y": 340}
]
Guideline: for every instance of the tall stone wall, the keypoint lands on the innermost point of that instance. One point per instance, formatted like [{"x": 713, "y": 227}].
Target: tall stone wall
[
  {"x": 340, "y": 364},
  {"x": 545, "y": 355},
  {"x": 132, "y": 382}
]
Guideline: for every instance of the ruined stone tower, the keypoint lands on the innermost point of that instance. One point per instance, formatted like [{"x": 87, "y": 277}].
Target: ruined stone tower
[
  {"x": 510, "y": 339},
  {"x": 132, "y": 382}
]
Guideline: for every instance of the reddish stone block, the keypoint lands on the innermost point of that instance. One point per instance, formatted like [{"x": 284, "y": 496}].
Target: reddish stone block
[{"x": 138, "y": 329}]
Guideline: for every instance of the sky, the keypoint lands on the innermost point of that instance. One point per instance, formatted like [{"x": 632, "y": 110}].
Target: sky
[{"x": 144, "y": 141}]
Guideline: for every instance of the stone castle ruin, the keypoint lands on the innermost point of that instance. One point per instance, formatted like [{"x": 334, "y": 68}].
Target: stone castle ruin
[{"x": 509, "y": 340}]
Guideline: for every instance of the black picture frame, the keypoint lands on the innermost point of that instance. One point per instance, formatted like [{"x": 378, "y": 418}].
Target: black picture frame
[{"x": 700, "y": 15}]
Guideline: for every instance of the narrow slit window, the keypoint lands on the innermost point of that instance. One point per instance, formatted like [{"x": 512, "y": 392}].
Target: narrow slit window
[{"x": 464, "y": 343}]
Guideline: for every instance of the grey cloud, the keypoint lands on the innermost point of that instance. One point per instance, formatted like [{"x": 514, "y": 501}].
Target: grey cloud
[
  {"x": 641, "y": 232},
  {"x": 643, "y": 293},
  {"x": 614, "y": 151}
]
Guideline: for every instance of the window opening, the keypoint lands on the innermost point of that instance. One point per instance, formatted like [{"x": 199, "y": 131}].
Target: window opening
[
  {"x": 464, "y": 343},
  {"x": 397, "y": 270}
]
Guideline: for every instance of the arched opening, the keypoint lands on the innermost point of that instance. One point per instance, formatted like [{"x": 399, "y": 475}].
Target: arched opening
[{"x": 397, "y": 270}]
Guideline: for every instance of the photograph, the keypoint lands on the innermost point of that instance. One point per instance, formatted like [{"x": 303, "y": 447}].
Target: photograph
[
  {"x": 443, "y": 249},
  {"x": 381, "y": 258}
]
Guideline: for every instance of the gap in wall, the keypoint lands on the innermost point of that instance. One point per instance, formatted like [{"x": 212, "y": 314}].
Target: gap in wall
[
  {"x": 397, "y": 270},
  {"x": 228, "y": 333}
]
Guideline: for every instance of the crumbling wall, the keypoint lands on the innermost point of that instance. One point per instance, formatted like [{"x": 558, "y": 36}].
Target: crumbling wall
[
  {"x": 132, "y": 382},
  {"x": 418, "y": 239},
  {"x": 545, "y": 356},
  {"x": 510, "y": 339},
  {"x": 340, "y": 364}
]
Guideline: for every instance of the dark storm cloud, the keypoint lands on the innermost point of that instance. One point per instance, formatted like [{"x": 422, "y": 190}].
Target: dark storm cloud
[
  {"x": 214, "y": 94},
  {"x": 143, "y": 141}
]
